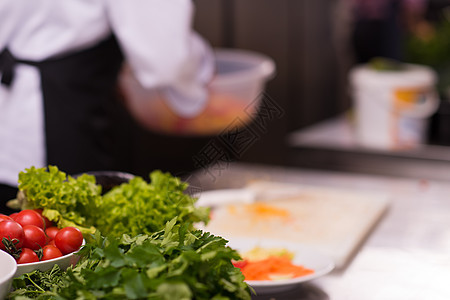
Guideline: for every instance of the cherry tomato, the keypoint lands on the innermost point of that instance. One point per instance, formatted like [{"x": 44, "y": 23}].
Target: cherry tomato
[
  {"x": 240, "y": 263},
  {"x": 13, "y": 215},
  {"x": 35, "y": 237},
  {"x": 29, "y": 217},
  {"x": 13, "y": 232},
  {"x": 47, "y": 222},
  {"x": 68, "y": 239},
  {"x": 50, "y": 252},
  {"x": 52, "y": 243},
  {"x": 51, "y": 232},
  {"x": 5, "y": 217},
  {"x": 27, "y": 256}
]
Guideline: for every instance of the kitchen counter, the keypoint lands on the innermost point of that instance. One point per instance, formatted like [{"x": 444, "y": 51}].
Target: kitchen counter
[
  {"x": 406, "y": 255},
  {"x": 332, "y": 145}
]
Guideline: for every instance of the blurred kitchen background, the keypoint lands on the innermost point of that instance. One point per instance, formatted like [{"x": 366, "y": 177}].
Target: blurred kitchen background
[
  {"x": 315, "y": 44},
  {"x": 326, "y": 115}
]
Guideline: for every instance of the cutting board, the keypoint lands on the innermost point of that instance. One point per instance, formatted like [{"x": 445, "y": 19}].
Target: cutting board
[{"x": 333, "y": 221}]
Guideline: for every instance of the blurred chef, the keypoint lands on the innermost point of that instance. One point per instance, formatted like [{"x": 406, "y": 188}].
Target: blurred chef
[{"x": 59, "y": 62}]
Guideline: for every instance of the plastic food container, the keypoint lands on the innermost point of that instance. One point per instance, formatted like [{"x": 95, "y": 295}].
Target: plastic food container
[
  {"x": 393, "y": 107},
  {"x": 241, "y": 77},
  {"x": 234, "y": 94},
  {"x": 8, "y": 268}
]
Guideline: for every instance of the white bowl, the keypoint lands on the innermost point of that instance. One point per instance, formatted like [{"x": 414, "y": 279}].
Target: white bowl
[
  {"x": 7, "y": 270},
  {"x": 63, "y": 262}
]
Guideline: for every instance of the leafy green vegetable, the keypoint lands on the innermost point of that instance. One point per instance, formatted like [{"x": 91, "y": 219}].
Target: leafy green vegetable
[
  {"x": 38, "y": 285},
  {"x": 150, "y": 249},
  {"x": 65, "y": 200},
  {"x": 174, "y": 263},
  {"x": 139, "y": 207},
  {"x": 133, "y": 208}
]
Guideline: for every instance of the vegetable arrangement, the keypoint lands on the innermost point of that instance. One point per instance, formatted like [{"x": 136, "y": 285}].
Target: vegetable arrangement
[
  {"x": 141, "y": 241},
  {"x": 29, "y": 237},
  {"x": 132, "y": 208},
  {"x": 174, "y": 263}
]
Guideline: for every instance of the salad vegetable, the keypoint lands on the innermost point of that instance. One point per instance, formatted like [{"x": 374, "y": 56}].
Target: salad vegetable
[
  {"x": 174, "y": 263},
  {"x": 270, "y": 264},
  {"x": 272, "y": 268},
  {"x": 65, "y": 200},
  {"x": 141, "y": 241},
  {"x": 137, "y": 207},
  {"x": 30, "y": 243}
]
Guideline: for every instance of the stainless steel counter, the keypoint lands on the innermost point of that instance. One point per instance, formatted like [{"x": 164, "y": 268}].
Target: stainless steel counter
[
  {"x": 407, "y": 255},
  {"x": 331, "y": 145}
]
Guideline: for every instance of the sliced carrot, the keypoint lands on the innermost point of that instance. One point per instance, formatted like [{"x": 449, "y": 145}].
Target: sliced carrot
[{"x": 273, "y": 267}]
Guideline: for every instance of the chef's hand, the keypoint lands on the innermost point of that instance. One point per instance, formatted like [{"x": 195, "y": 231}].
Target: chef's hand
[{"x": 221, "y": 113}]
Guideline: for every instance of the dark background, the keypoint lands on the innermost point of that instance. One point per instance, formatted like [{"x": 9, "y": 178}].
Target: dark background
[{"x": 298, "y": 35}]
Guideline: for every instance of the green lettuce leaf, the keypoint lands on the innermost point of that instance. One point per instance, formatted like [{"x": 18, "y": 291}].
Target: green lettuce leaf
[
  {"x": 139, "y": 207},
  {"x": 133, "y": 208},
  {"x": 65, "y": 200}
]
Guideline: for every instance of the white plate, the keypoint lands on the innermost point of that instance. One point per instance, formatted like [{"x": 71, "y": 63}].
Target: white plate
[{"x": 303, "y": 255}]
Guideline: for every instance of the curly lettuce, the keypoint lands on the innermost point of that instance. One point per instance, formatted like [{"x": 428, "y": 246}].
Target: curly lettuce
[
  {"x": 139, "y": 207},
  {"x": 136, "y": 207},
  {"x": 65, "y": 200}
]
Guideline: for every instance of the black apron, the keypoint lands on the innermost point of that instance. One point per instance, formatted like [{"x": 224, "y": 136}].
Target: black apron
[{"x": 86, "y": 126}]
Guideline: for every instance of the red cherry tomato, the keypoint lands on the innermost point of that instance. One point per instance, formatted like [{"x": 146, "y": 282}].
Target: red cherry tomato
[
  {"x": 50, "y": 252},
  {"x": 5, "y": 217},
  {"x": 52, "y": 243},
  {"x": 35, "y": 237},
  {"x": 240, "y": 263},
  {"x": 13, "y": 215},
  {"x": 29, "y": 217},
  {"x": 47, "y": 222},
  {"x": 27, "y": 256},
  {"x": 12, "y": 231},
  {"x": 68, "y": 239},
  {"x": 51, "y": 232}
]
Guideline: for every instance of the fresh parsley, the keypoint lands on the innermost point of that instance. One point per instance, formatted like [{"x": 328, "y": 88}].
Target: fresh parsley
[{"x": 174, "y": 263}]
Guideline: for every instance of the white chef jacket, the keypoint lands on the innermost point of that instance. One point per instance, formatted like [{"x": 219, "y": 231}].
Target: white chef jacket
[{"x": 154, "y": 35}]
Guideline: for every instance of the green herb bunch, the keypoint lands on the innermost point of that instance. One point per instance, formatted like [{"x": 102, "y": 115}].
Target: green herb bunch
[{"x": 175, "y": 263}]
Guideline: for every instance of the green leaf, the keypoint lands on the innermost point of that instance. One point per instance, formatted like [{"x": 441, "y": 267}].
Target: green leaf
[
  {"x": 134, "y": 284},
  {"x": 145, "y": 255},
  {"x": 103, "y": 278},
  {"x": 114, "y": 255},
  {"x": 170, "y": 291},
  {"x": 154, "y": 270},
  {"x": 208, "y": 256}
]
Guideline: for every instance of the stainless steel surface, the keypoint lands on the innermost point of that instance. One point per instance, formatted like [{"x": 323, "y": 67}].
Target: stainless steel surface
[
  {"x": 407, "y": 255},
  {"x": 331, "y": 145}
]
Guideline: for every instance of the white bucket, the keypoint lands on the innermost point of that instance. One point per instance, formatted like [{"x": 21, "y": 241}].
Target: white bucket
[{"x": 392, "y": 108}]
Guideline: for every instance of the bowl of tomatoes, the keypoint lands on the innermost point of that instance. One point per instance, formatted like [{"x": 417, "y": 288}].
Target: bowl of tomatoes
[{"x": 36, "y": 244}]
